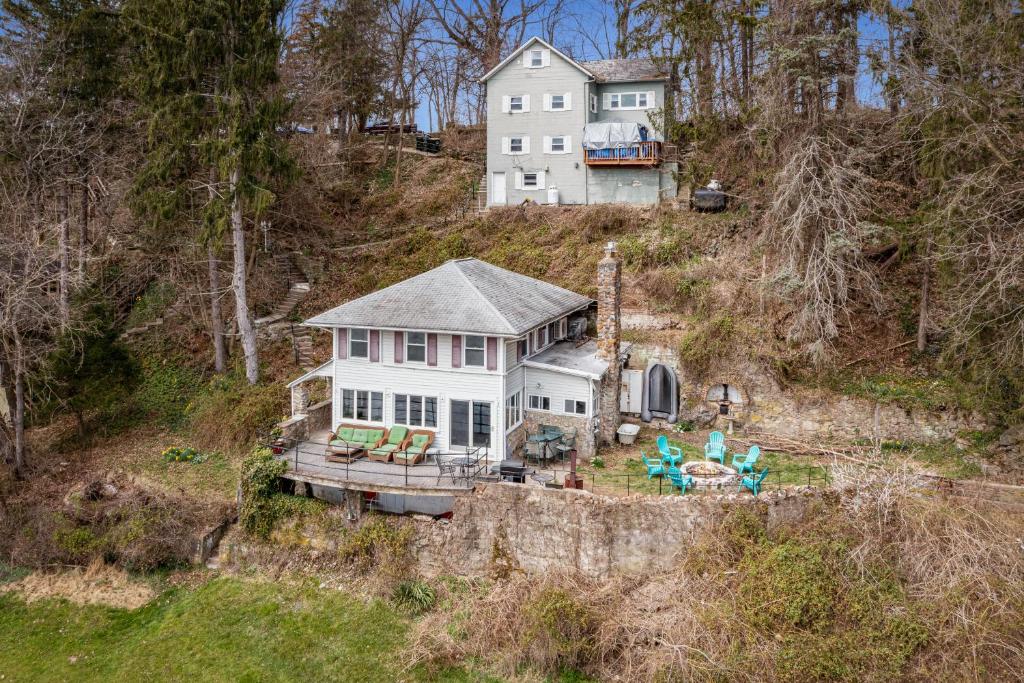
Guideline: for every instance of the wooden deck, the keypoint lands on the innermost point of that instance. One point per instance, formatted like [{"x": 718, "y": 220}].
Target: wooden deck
[
  {"x": 306, "y": 463},
  {"x": 646, "y": 153}
]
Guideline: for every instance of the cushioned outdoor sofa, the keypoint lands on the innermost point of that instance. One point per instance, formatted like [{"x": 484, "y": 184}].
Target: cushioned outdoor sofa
[
  {"x": 351, "y": 442},
  {"x": 394, "y": 440}
]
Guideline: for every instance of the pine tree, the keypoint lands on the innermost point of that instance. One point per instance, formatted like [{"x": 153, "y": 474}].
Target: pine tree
[{"x": 206, "y": 76}]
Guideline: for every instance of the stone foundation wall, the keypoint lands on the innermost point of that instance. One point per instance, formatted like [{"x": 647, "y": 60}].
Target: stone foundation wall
[
  {"x": 315, "y": 418},
  {"x": 540, "y": 530},
  {"x": 586, "y": 447}
]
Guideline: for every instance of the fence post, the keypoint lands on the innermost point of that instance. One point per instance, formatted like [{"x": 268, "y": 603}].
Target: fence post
[{"x": 627, "y": 484}]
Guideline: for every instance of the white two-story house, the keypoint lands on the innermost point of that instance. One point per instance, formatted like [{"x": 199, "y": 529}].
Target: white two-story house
[
  {"x": 468, "y": 350},
  {"x": 568, "y": 132}
]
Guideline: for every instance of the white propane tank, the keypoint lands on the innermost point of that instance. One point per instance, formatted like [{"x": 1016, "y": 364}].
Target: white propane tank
[{"x": 552, "y": 195}]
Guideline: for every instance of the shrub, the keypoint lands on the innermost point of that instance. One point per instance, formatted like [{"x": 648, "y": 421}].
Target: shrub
[
  {"x": 231, "y": 414},
  {"x": 416, "y": 596},
  {"x": 706, "y": 342},
  {"x": 381, "y": 542},
  {"x": 560, "y": 631},
  {"x": 182, "y": 454},
  {"x": 260, "y": 484}
]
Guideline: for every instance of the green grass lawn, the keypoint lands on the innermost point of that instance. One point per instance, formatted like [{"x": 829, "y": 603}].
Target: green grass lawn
[
  {"x": 225, "y": 630},
  {"x": 784, "y": 469}
]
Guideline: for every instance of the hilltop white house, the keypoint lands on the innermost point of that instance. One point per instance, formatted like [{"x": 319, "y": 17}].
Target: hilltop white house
[
  {"x": 474, "y": 353},
  {"x": 567, "y": 132}
]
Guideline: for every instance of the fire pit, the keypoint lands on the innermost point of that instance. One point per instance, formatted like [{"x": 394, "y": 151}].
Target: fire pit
[{"x": 709, "y": 474}]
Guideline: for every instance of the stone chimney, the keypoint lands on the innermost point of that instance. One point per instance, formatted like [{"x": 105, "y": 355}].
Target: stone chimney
[{"x": 609, "y": 336}]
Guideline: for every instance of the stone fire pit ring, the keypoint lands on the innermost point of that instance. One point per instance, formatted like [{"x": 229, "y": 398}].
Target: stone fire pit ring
[{"x": 708, "y": 474}]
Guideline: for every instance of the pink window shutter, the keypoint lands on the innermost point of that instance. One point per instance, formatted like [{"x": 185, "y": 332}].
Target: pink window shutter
[
  {"x": 374, "y": 346},
  {"x": 343, "y": 343},
  {"x": 431, "y": 350},
  {"x": 456, "y": 351},
  {"x": 492, "y": 353},
  {"x": 399, "y": 347}
]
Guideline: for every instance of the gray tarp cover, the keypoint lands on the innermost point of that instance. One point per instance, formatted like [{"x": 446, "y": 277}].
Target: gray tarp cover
[{"x": 610, "y": 135}]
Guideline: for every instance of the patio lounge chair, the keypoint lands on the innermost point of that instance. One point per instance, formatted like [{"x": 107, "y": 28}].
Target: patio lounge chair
[
  {"x": 654, "y": 467},
  {"x": 670, "y": 455},
  {"x": 394, "y": 440},
  {"x": 350, "y": 443},
  {"x": 744, "y": 462},
  {"x": 414, "y": 450},
  {"x": 679, "y": 480},
  {"x": 753, "y": 481},
  {"x": 714, "y": 449}
]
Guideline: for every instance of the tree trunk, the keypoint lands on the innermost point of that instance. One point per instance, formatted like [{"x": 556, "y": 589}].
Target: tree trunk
[
  {"x": 238, "y": 284},
  {"x": 220, "y": 362},
  {"x": 894, "y": 100},
  {"x": 83, "y": 231},
  {"x": 63, "y": 215},
  {"x": 922, "y": 318},
  {"x": 7, "y": 417},
  {"x": 20, "y": 460}
]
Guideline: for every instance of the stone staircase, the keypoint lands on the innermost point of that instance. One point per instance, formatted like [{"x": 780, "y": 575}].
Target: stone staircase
[{"x": 481, "y": 195}]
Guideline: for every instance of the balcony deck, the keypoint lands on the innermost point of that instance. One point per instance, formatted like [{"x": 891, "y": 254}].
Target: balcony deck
[{"x": 647, "y": 153}]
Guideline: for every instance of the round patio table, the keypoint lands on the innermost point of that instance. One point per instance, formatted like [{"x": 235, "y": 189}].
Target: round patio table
[
  {"x": 545, "y": 441},
  {"x": 542, "y": 478}
]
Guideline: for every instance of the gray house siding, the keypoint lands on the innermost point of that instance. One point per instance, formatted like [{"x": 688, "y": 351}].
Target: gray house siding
[
  {"x": 641, "y": 116},
  {"x": 563, "y": 171}
]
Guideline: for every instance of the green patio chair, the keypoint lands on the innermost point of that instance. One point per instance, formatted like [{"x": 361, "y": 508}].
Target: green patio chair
[
  {"x": 654, "y": 467},
  {"x": 753, "y": 482},
  {"x": 679, "y": 480},
  {"x": 744, "y": 462},
  {"x": 385, "y": 451},
  {"x": 669, "y": 454},
  {"x": 714, "y": 449},
  {"x": 416, "y": 450}
]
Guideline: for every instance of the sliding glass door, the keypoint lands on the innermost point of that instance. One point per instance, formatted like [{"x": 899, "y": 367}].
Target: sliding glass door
[{"x": 470, "y": 425}]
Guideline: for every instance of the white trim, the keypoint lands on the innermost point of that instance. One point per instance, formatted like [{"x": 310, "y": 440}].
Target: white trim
[
  {"x": 405, "y": 349},
  {"x": 566, "y": 144},
  {"x": 541, "y": 396},
  {"x": 369, "y": 405},
  {"x": 351, "y": 339},
  {"x": 315, "y": 373},
  {"x": 515, "y": 53},
  {"x": 648, "y": 104},
  {"x": 554, "y": 368}
]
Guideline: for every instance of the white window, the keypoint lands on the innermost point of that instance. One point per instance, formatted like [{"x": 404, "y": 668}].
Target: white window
[
  {"x": 516, "y": 144},
  {"x": 358, "y": 343},
  {"x": 416, "y": 411},
  {"x": 535, "y": 59},
  {"x": 530, "y": 180},
  {"x": 416, "y": 347},
  {"x": 542, "y": 337},
  {"x": 593, "y": 103},
  {"x": 552, "y": 332},
  {"x": 540, "y": 402},
  {"x": 362, "y": 405},
  {"x": 575, "y": 407},
  {"x": 473, "y": 351},
  {"x": 558, "y": 102},
  {"x": 557, "y": 144},
  {"x": 524, "y": 348},
  {"x": 629, "y": 100},
  {"x": 515, "y": 103},
  {"x": 514, "y": 410}
]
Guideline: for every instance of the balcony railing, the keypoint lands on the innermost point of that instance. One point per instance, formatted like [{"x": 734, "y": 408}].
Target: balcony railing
[{"x": 647, "y": 153}]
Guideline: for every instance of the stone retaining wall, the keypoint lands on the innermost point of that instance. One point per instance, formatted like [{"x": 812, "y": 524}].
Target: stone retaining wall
[{"x": 539, "y": 530}]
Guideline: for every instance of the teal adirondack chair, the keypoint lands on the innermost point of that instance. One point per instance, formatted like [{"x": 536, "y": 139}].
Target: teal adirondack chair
[
  {"x": 753, "y": 482},
  {"x": 744, "y": 462},
  {"x": 670, "y": 455},
  {"x": 654, "y": 467},
  {"x": 714, "y": 449},
  {"x": 679, "y": 480}
]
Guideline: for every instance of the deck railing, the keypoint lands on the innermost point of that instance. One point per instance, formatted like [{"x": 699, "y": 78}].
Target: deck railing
[{"x": 647, "y": 153}]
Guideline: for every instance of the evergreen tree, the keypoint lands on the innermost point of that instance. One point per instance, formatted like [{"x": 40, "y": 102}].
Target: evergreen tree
[{"x": 206, "y": 76}]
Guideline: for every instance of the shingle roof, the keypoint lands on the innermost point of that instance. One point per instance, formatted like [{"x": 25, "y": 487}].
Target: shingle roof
[
  {"x": 464, "y": 295},
  {"x": 624, "y": 70}
]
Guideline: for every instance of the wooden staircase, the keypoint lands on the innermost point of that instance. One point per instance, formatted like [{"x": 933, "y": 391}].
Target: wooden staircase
[{"x": 278, "y": 324}]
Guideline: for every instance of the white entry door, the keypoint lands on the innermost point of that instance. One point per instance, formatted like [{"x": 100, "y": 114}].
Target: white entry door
[{"x": 498, "y": 195}]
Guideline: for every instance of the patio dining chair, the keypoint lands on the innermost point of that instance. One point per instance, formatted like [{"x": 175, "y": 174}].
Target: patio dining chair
[
  {"x": 446, "y": 467},
  {"x": 566, "y": 444}
]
